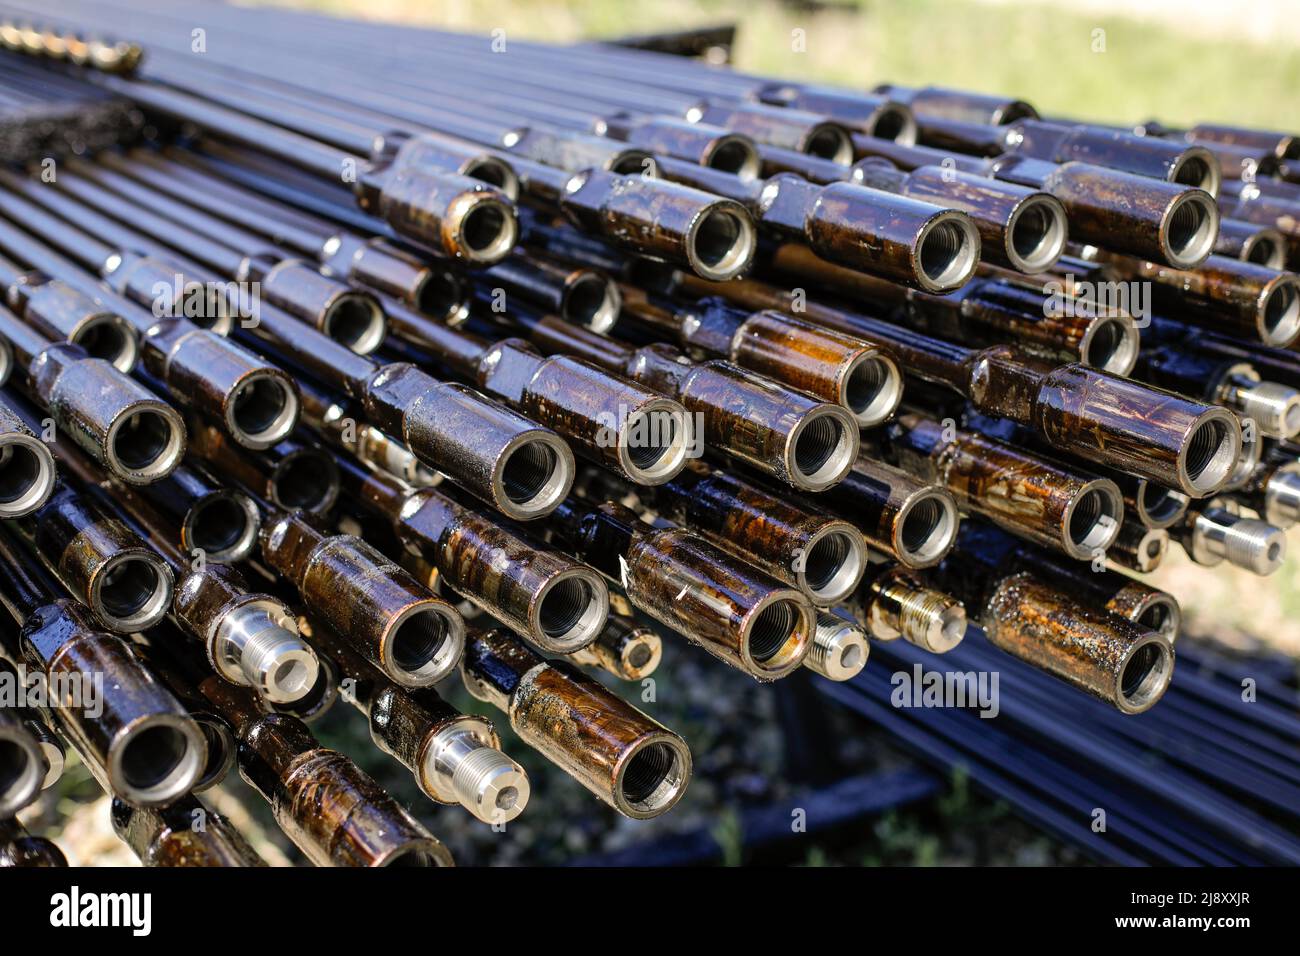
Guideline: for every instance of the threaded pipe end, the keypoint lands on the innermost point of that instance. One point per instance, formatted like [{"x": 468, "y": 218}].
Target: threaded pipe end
[{"x": 490, "y": 785}]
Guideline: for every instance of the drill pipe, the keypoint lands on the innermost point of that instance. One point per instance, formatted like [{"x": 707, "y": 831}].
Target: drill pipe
[
  {"x": 1273, "y": 492},
  {"x": 123, "y": 426},
  {"x": 822, "y": 556},
  {"x": 1058, "y": 507},
  {"x": 1215, "y": 530},
  {"x": 332, "y": 811},
  {"x": 347, "y": 315},
  {"x": 1240, "y": 299},
  {"x": 186, "y": 833},
  {"x": 894, "y": 602},
  {"x": 1251, "y": 242},
  {"x": 987, "y": 311},
  {"x": 621, "y": 423},
  {"x": 558, "y": 603},
  {"x": 419, "y": 282},
  {"x": 456, "y": 758},
  {"x": 1147, "y": 431},
  {"x": 383, "y": 612},
  {"x": 62, "y": 313},
  {"x": 1274, "y": 408},
  {"x": 27, "y": 471},
  {"x": 912, "y": 521},
  {"x": 255, "y": 402},
  {"x": 1136, "y": 215},
  {"x": 20, "y": 848},
  {"x": 962, "y": 105},
  {"x": 1109, "y": 590},
  {"x": 293, "y": 475},
  {"x": 1125, "y": 664},
  {"x": 732, "y": 610},
  {"x": 623, "y": 648},
  {"x": 124, "y": 582},
  {"x": 822, "y": 363},
  {"x": 776, "y": 430},
  {"x": 840, "y": 648},
  {"x": 181, "y": 678},
  {"x": 135, "y": 738},
  {"x": 628, "y": 760}
]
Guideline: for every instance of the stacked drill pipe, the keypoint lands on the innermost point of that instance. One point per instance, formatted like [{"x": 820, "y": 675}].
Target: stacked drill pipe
[
  {"x": 602, "y": 350},
  {"x": 506, "y": 459},
  {"x": 253, "y": 402},
  {"x": 1149, "y": 432},
  {"x": 132, "y": 734},
  {"x": 248, "y": 638},
  {"x": 59, "y": 117}
]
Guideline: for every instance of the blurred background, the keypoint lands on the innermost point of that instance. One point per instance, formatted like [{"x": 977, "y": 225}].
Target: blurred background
[{"x": 762, "y": 750}]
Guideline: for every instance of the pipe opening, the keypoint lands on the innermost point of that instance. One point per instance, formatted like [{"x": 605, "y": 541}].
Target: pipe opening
[
  {"x": 1111, "y": 345},
  {"x": 105, "y": 338},
  {"x": 1193, "y": 225},
  {"x": 773, "y": 628},
  {"x": 722, "y": 243},
  {"x": 488, "y": 230},
  {"x": 832, "y": 566},
  {"x": 736, "y": 156},
  {"x": 221, "y": 753},
  {"x": 1211, "y": 454},
  {"x": 634, "y": 162},
  {"x": 440, "y": 293},
  {"x": 145, "y": 443},
  {"x": 895, "y": 123},
  {"x": 1037, "y": 234},
  {"x": 872, "y": 390},
  {"x": 533, "y": 477},
  {"x": 292, "y": 678},
  {"x": 652, "y": 778},
  {"x": 319, "y": 698},
  {"x": 1265, "y": 252},
  {"x": 1281, "y": 315},
  {"x": 1195, "y": 171},
  {"x": 1146, "y": 675},
  {"x": 305, "y": 482},
  {"x": 570, "y": 612},
  {"x": 926, "y": 529},
  {"x": 26, "y": 476},
  {"x": 1162, "y": 506},
  {"x": 132, "y": 591},
  {"x": 495, "y": 173},
  {"x": 655, "y": 443},
  {"x": 639, "y": 656},
  {"x": 1160, "y": 616},
  {"x": 157, "y": 763},
  {"x": 591, "y": 302},
  {"x": 414, "y": 856},
  {"x": 829, "y": 142},
  {"x": 264, "y": 409},
  {"x": 823, "y": 450},
  {"x": 356, "y": 322},
  {"x": 1094, "y": 519},
  {"x": 947, "y": 252},
  {"x": 222, "y": 527},
  {"x": 418, "y": 641}
]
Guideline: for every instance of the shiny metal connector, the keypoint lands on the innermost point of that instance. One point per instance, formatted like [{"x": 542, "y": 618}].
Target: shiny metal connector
[
  {"x": 839, "y": 649},
  {"x": 899, "y": 605},
  {"x": 463, "y": 766},
  {"x": 1220, "y": 532}
]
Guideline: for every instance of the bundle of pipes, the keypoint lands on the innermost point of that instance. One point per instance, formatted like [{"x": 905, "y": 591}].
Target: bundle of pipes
[{"x": 361, "y": 374}]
